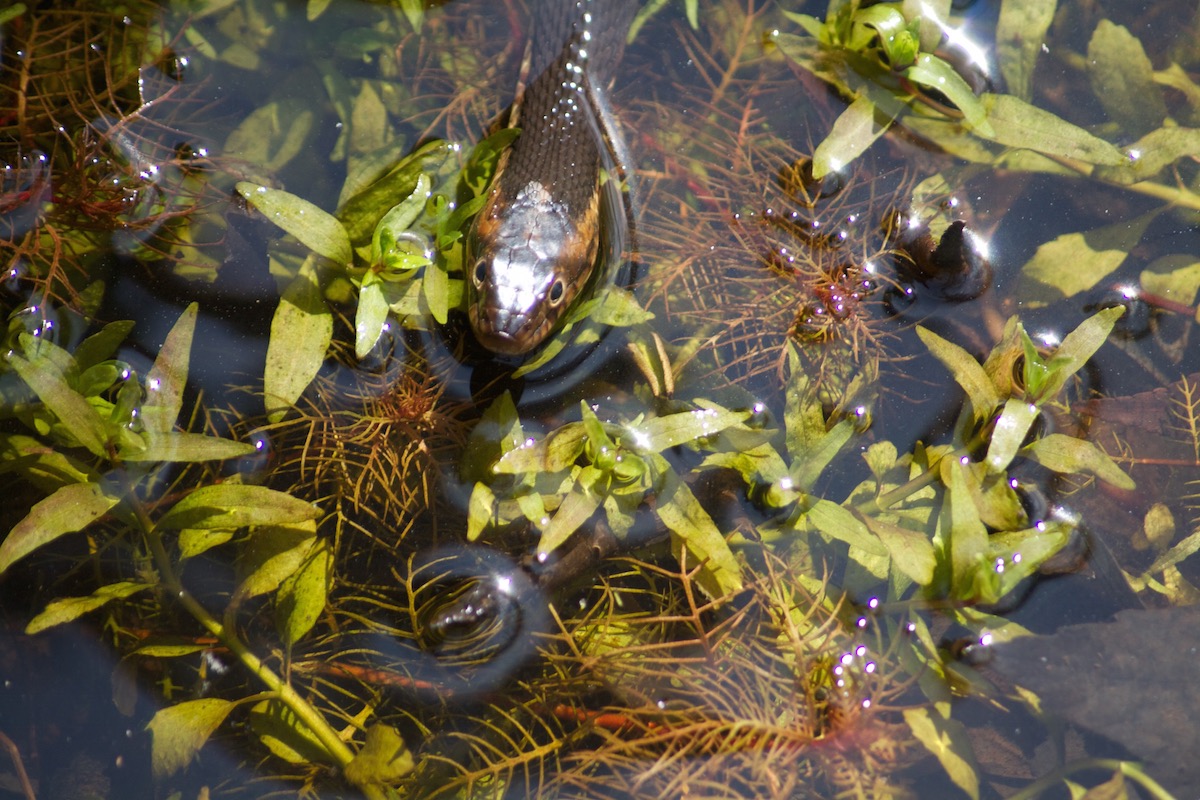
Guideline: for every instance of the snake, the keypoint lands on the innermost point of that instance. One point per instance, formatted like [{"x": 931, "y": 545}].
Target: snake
[{"x": 534, "y": 245}]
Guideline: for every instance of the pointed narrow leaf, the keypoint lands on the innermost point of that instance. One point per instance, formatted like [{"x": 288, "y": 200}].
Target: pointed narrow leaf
[
  {"x": 696, "y": 539},
  {"x": 274, "y": 554},
  {"x": 316, "y": 229},
  {"x": 1009, "y": 433},
  {"x": 301, "y": 331},
  {"x": 947, "y": 739},
  {"x": 1016, "y": 123},
  {"x": 966, "y": 371},
  {"x": 167, "y": 379},
  {"x": 178, "y": 732},
  {"x": 72, "y": 508},
  {"x": 1020, "y": 34},
  {"x": 371, "y": 315},
  {"x": 233, "y": 505},
  {"x": 1063, "y": 453},
  {"x": 1078, "y": 347},
  {"x": 71, "y": 408},
  {"x": 186, "y": 447},
  {"x": 577, "y": 507},
  {"x": 66, "y": 609},
  {"x": 912, "y": 552},
  {"x": 853, "y": 132},
  {"x": 840, "y": 523},
  {"x": 1102, "y": 249},
  {"x": 101, "y": 345},
  {"x": 661, "y": 433},
  {"x": 302, "y": 595}
]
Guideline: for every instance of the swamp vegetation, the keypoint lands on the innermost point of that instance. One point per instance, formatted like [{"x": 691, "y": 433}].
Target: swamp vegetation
[{"x": 869, "y": 472}]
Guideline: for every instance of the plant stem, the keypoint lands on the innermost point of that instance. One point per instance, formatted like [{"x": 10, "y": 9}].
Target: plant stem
[{"x": 1126, "y": 768}]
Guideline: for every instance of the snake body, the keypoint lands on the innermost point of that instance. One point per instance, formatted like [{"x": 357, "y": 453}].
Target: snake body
[{"x": 533, "y": 246}]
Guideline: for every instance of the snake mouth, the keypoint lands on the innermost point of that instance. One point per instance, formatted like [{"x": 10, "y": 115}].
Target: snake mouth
[{"x": 505, "y": 333}]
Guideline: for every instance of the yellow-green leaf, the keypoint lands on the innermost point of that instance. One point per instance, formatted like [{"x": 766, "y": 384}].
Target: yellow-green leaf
[
  {"x": 178, "y": 732},
  {"x": 66, "y": 609},
  {"x": 71, "y": 508}
]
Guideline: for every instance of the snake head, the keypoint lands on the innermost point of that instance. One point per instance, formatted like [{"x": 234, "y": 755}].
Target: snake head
[{"x": 528, "y": 257}]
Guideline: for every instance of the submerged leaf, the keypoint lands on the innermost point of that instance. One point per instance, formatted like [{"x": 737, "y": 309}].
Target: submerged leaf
[
  {"x": 178, "y": 732},
  {"x": 383, "y": 759},
  {"x": 947, "y": 739},
  {"x": 167, "y": 379},
  {"x": 312, "y": 226},
  {"x": 1020, "y": 34},
  {"x": 71, "y": 508},
  {"x": 66, "y": 609},
  {"x": 301, "y": 331},
  {"x": 233, "y": 505}
]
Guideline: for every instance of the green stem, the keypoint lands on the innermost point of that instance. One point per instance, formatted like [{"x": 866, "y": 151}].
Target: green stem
[{"x": 337, "y": 749}]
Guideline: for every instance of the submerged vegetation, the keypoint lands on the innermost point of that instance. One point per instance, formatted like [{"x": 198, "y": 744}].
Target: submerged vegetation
[{"x": 738, "y": 556}]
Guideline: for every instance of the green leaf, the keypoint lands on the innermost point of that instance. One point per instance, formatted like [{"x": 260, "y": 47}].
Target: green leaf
[
  {"x": 947, "y": 739},
  {"x": 178, "y": 732},
  {"x": 620, "y": 309},
  {"x": 66, "y": 609},
  {"x": 911, "y": 552},
  {"x": 194, "y": 541},
  {"x": 1123, "y": 79},
  {"x": 371, "y": 315},
  {"x": 968, "y": 539},
  {"x": 576, "y": 508},
  {"x": 853, "y": 132},
  {"x": 808, "y": 468},
  {"x": 316, "y": 229},
  {"x": 302, "y": 594},
  {"x": 1020, "y": 34},
  {"x": 1062, "y": 453},
  {"x": 1009, "y": 433},
  {"x": 934, "y": 73},
  {"x": 272, "y": 135},
  {"x": 1016, "y": 123},
  {"x": 102, "y": 344},
  {"x": 1077, "y": 348},
  {"x": 70, "y": 407},
  {"x": 1101, "y": 249},
  {"x": 402, "y": 216},
  {"x": 361, "y": 213},
  {"x": 435, "y": 288},
  {"x": 185, "y": 447},
  {"x": 278, "y": 727},
  {"x": 71, "y": 508},
  {"x": 383, "y": 759},
  {"x": 696, "y": 540},
  {"x": 966, "y": 371},
  {"x": 1155, "y": 151},
  {"x": 840, "y": 523},
  {"x": 301, "y": 331},
  {"x": 480, "y": 510},
  {"x": 662, "y": 433},
  {"x": 233, "y": 505},
  {"x": 40, "y": 464},
  {"x": 167, "y": 379},
  {"x": 274, "y": 554}
]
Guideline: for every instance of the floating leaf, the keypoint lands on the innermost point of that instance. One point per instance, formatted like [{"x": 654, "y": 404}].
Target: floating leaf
[
  {"x": 1012, "y": 426},
  {"x": 1077, "y": 348},
  {"x": 178, "y": 732},
  {"x": 661, "y": 433},
  {"x": 576, "y": 508},
  {"x": 371, "y": 315},
  {"x": 233, "y": 505},
  {"x": 1102, "y": 249},
  {"x": 66, "y": 609},
  {"x": 934, "y": 73},
  {"x": 853, "y": 132},
  {"x": 301, "y": 331},
  {"x": 966, "y": 371},
  {"x": 71, "y": 508},
  {"x": 480, "y": 510},
  {"x": 316, "y": 229}
]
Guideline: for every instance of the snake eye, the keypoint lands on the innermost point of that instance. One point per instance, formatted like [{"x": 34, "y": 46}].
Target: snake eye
[
  {"x": 556, "y": 292},
  {"x": 480, "y": 273}
]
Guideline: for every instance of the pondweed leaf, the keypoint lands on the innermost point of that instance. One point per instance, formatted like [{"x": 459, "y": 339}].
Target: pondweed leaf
[
  {"x": 947, "y": 739},
  {"x": 1123, "y": 79},
  {"x": 1020, "y": 33},
  {"x": 1066, "y": 454},
  {"x": 71, "y": 508},
  {"x": 361, "y": 213},
  {"x": 66, "y": 609},
  {"x": 312, "y": 226},
  {"x": 282, "y": 732},
  {"x": 102, "y": 344},
  {"x": 179, "y": 731},
  {"x": 184, "y": 447},
  {"x": 383, "y": 759},
  {"x": 77, "y": 415},
  {"x": 302, "y": 594},
  {"x": 167, "y": 379},
  {"x": 234, "y": 505},
  {"x": 371, "y": 314},
  {"x": 274, "y": 554},
  {"x": 401, "y": 217},
  {"x": 1009, "y": 432},
  {"x": 301, "y": 331},
  {"x": 966, "y": 371},
  {"x": 695, "y": 539}
]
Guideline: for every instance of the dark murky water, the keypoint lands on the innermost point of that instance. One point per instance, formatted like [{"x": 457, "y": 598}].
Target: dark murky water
[{"x": 827, "y": 668}]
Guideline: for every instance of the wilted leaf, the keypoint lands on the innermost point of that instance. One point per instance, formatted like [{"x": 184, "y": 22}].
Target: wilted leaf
[
  {"x": 66, "y": 609},
  {"x": 71, "y": 508},
  {"x": 178, "y": 732},
  {"x": 234, "y": 505}
]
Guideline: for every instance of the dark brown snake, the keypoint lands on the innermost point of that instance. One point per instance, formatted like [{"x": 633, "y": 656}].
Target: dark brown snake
[{"x": 534, "y": 245}]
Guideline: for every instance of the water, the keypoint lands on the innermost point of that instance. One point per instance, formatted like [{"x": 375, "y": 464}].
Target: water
[{"x": 866, "y": 568}]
